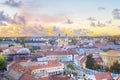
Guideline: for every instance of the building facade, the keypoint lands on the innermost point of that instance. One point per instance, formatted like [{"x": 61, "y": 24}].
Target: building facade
[
  {"x": 62, "y": 41},
  {"x": 110, "y": 57}
]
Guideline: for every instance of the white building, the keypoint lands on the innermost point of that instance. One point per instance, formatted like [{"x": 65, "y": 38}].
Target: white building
[
  {"x": 80, "y": 61},
  {"x": 64, "y": 56},
  {"x": 43, "y": 68}
]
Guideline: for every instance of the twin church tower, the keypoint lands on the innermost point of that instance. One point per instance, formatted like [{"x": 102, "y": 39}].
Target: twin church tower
[{"x": 63, "y": 40}]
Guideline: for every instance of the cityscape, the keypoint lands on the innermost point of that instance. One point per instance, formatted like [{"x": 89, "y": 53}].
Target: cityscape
[{"x": 59, "y": 40}]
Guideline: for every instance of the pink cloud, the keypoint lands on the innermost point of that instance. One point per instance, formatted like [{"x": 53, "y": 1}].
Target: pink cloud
[{"x": 51, "y": 18}]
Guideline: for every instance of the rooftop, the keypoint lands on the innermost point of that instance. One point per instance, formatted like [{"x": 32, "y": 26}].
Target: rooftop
[
  {"x": 114, "y": 52},
  {"x": 49, "y": 65},
  {"x": 26, "y": 66},
  {"x": 98, "y": 60},
  {"x": 81, "y": 58},
  {"x": 28, "y": 77},
  {"x": 99, "y": 44},
  {"x": 104, "y": 76},
  {"x": 111, "y": 52},
  {"x": 68, "y": 52},
  {"x": 23, "y": 50}
]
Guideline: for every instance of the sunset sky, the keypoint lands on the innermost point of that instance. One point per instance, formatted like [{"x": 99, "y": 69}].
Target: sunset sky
[{"x": 51, "y": 17}]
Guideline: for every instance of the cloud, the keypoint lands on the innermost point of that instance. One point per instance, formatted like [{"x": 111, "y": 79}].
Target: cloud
[
  {"x": 97, "y": 24},
  {"x": 68, "y": 21},
  {"x": 119, "y": 26},
  {"x": 31, "y": 30},
  {"x": 17, "y": 19},
  {"x": 5, "y": 18},
  {"x": 2, "y": 24},
  {"x": 50, "y": 18},
  {"x": 91, "y": 19},
  {"x": 56, "y": 31},
  {"x": 109, "y": 22},
  {"x": 92, "y": 24},
  {"x": 38, "y": 30},
  {"x": 103, "y": 34},
  {"x": 13, "y": 3},
  {"x": 101, "y": 8},
  {"x": 82, "y": 32},
  {"x": 116, "y": 13}
]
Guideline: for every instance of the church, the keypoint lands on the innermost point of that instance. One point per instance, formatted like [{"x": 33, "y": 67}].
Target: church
[{"x": 63, "y": 41}]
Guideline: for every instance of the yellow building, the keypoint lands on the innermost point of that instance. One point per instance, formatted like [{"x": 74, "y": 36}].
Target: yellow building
[{"x": 110, "y": 57}]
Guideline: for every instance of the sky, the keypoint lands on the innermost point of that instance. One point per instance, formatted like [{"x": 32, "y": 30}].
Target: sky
[{"x": 51, "y": 17}]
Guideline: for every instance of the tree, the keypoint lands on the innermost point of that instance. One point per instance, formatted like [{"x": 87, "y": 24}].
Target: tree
[
  {"x": 90, "y": 62},
  {"x": 107, "y": 69},
  {"x": 115, "y": 67},
  {"x": 84, "y": 77},
  {"x": 97, "y": 66},
  {"x": 105, "y": 50},
  {"x": 72, "y": 67},
  {"x": 10, "y": 45},
  {"x": 2, "y": 63},
  {"x": 32, "y": 50}
]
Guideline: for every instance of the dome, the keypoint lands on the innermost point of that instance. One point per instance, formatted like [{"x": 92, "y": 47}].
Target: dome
[{"x": 23, "y": 50}]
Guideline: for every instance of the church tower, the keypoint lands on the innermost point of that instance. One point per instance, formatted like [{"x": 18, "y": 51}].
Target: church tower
[
  {"x": 62, "y": 41},
  {"x": 59, "y": 40},
  {"x": 66, "y": 40}
]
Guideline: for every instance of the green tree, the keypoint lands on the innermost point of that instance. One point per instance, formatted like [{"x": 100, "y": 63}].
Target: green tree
[
  {"x": 97, "y": 66},
  {"x": 84, "y": 77},
  {"x": 90, "y": 62},
  {"x": 10, "y": 45},
  {"x": 2, "y": 63},
  {"x": 115, "y": 67},
  {"x": 32, "y": 50},
  {"x": 72, "y": 67},
  {"x": 107, "y": 69}
]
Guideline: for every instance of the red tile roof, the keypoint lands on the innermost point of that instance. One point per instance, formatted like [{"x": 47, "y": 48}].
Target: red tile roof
[
  {"x": 68, "y": 52},
  {"x": 49, "y": 48},
  {"x": 81, "y": 58},
  {"x": 27, "y": 69},
  {"x": 105, "y": 75},
  {"x": 18, "y": 68},
  {"x": 98, "y": 60},
  {"x": 3, "y": 48},
  {"x": 44, "y": 78},
  {"x": 60, "y": 78},
  {"x": 99, "y": 44},
  {"x": 28, "y": 77},
  {"x": 50, "y": 64}
]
